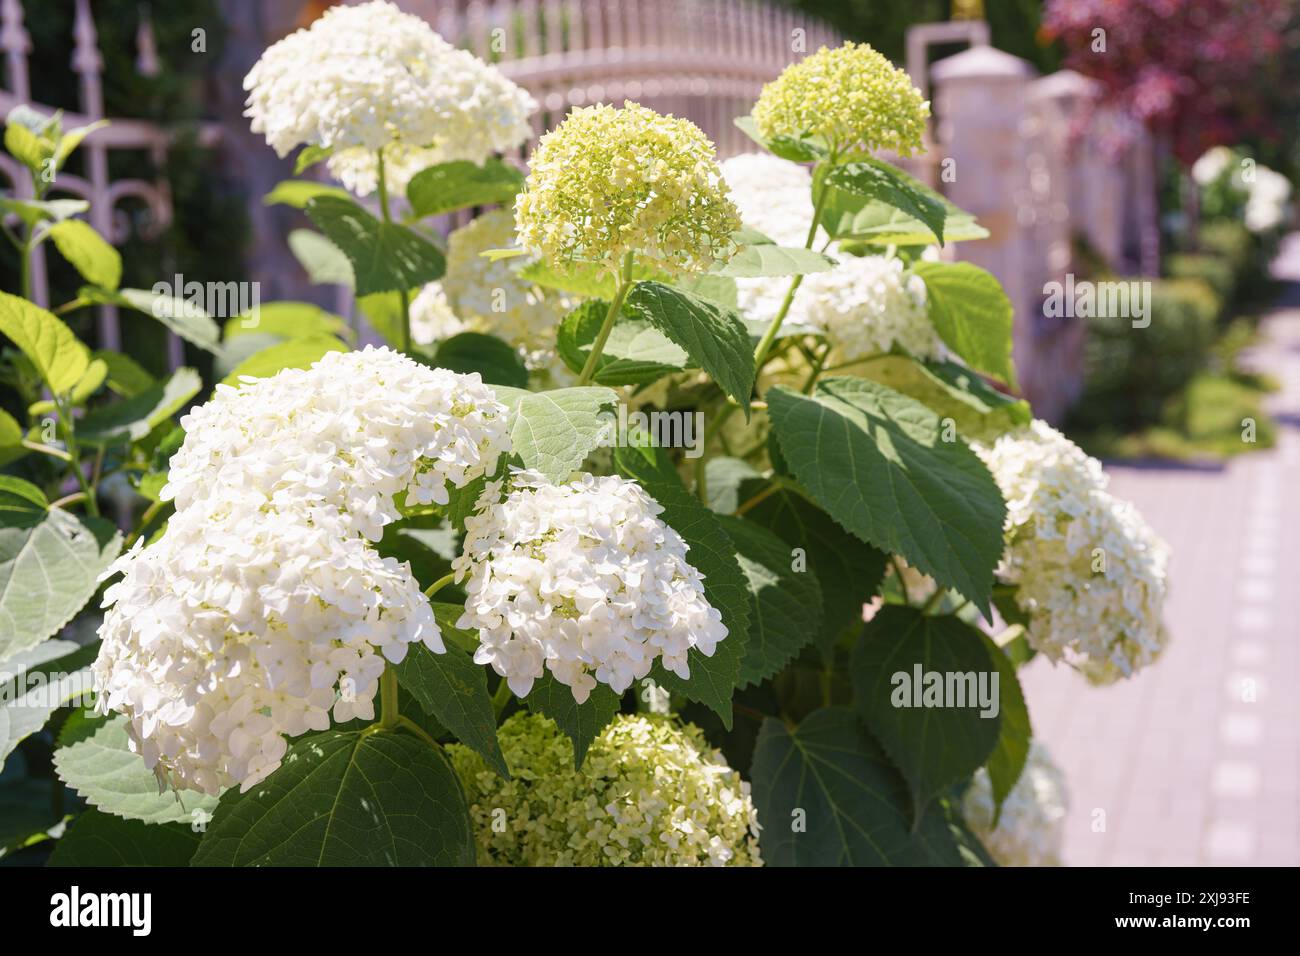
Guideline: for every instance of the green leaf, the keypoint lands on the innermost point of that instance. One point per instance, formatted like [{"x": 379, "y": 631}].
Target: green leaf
[
  {"x": 324, "y": 262},
  {"x": 298, "y": 192},
  {"x": 939, "y": 741},
  {"x": 452, "y": 688},
  {"x": 719, "y": 289},
  {"x": 134, "y": 418},
  {"x": 309, "y": 157},
  {"x": 32, "y": 211},
  {"x": 287, "y": 320},
  {"x": 972, "y": 315},
  {"x": 346, "y": 799},
  {"x": 847, "y": 216},
  {"x": 878, "y": 463},
  {"x": 97, "y": 261},
  {"x": 636, "y": 352},
  {"x": 555, "y": 431},
  {"x": 49, "y": 563},
  {"x": 59, "y": 357},
  {"x": 785, "y": 604},
  {"x": 872, "y": 179},
  {"x": 714, "y": 337},
  {"x": 26, "y": 146},
  {"x": 765, "y": 259},
  {"x": 36, "y": 683},
  {"x": 295, "y": 353},
  {"x": 710, "y": 551},
  {"x": 826, "y": 796},
  {"x": 461, "y": 184},
  {"x": 70, "y": 140},
  {"x": 110, "y": 777},
  {"x": 1012, "y": 750},
  {"x": 383, "y": 310},
  {"x": 26, "y": 811},
  {"x": 11, "y": 434},
  {"x": 728, "y": 481},
  {"x": 848, "y": 569},
  {"x": 581, "y": 723},
  {"x": 805, "y": 150},
  {"x": 181, "y": 316},
  {"x": 101, "y": 839},
  {"x": 496, "y": 361},
  {"x": 385, "y": 256},
  {"x": 979, "y": 411}
]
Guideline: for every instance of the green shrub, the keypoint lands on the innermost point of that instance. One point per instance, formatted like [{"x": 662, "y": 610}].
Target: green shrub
[
  {"x": 1131, "y": 372},
  {"x": 1217, "y": 271}
]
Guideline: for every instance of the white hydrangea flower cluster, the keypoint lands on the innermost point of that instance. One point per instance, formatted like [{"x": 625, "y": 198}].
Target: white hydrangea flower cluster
[
  {"x": 369, "y": 77},
  {"x": 865, "y": 305},
  {"x": 1090, "y": 573},
  {"x": 1031, "y": 827},
  {"x": 227, "y": 636},
  {"x": 651, "y": 792},
  {"x": 350, "y": 433},
  {"x": 263, "y": 609},
  {"x": 582, "y": 579},
  {"x": 1267, "y": 205},
  {"x": 432, "y": 318}
]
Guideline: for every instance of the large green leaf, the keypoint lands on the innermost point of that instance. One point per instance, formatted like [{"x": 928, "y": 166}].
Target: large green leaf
[
  {"x": 452, "y": 688},
  {"x": 851, "y": 216},
  {"x": 298, "y": 192},
  {"x": 496, "y": 361},
  {"x": 1008, "y": 758},
  {"x": 805, "y": 150},
  {"x": 134, "y": 418},
  {"x": 908, "y": 684},
  {"x": 710, "y": 551},
  {"x": 287, "y": 320},
  {"x": 32, "y": 211},
  {"x": 879, "y": 463},
  {"x": 785, "y": 609},
  {"x": 182, "y": 316},
  {"x": 581, "y": 723},
  {"x": 49, "y": 562},
  {"x": 101, "y": 840},
  {"x": 871, "y": 179},
  {"x": 385, "y": 256},
  {"x": 555, "y": 431},
  {"x": 346, "y": 799},
  {"x": 461, "y": 184},
  {"x": 110, "y": 777},
  {"x": 826, "y": 796},
  {"x": 41, "y": 680},
  {"x": 59, "y": 357},
  {"x": 972, "y": 314},
  {"x": 765, "y": 259},
  {"x": 324, "y": 262},
  {"x": 294, "y": 353},
  {"x": 714, "y": 337},
  {"x": 89, "y": 252},
  {"x": 848, "y": 569},
  {"x": 980, "y": 412},
  {"x": 636, "y": 352}
]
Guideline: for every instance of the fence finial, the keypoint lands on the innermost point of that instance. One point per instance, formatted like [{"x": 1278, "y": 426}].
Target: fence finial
[
  {"x": 146, "y": 47},
  {"x": 16, "y": 44}
]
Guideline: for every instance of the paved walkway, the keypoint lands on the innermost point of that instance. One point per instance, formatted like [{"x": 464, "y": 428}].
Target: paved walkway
[{"x": 1197, "y": 760}]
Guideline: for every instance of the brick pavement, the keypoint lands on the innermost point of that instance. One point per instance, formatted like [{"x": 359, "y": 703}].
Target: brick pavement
[{"x": 1197, "y": 760}]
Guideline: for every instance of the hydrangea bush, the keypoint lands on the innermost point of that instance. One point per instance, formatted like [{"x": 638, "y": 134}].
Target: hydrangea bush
[{"x": 613, "y": 553}]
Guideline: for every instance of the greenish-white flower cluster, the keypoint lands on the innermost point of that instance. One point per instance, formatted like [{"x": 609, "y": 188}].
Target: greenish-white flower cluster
[
  {"x": 851, "y": 98},
  {"x": 607, "y": 182},
  {"x": 1031, "y": 828},
  {"x": 1090, "y": 573},
  {"x": 651, "y": 792}
]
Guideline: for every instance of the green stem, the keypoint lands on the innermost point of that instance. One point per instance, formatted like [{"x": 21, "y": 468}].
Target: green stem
[
  {"x": 765, "y": 343},
  {"x": 403, "y": 294},
  {"x": 818, "y": 365},
  {"x": 149, "y": 514},
  {"x": 902, "y": 583},
  {"x": 933, "y": 600},
  {"x": 389, "y": 712},
  {"x": 50, "y": 450},
  {"x": 74, "y": 456},
  {"x": 501, "y": 697},
  {"x": 611, "y": 316},
  {"x": 439, "y": 584}
]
